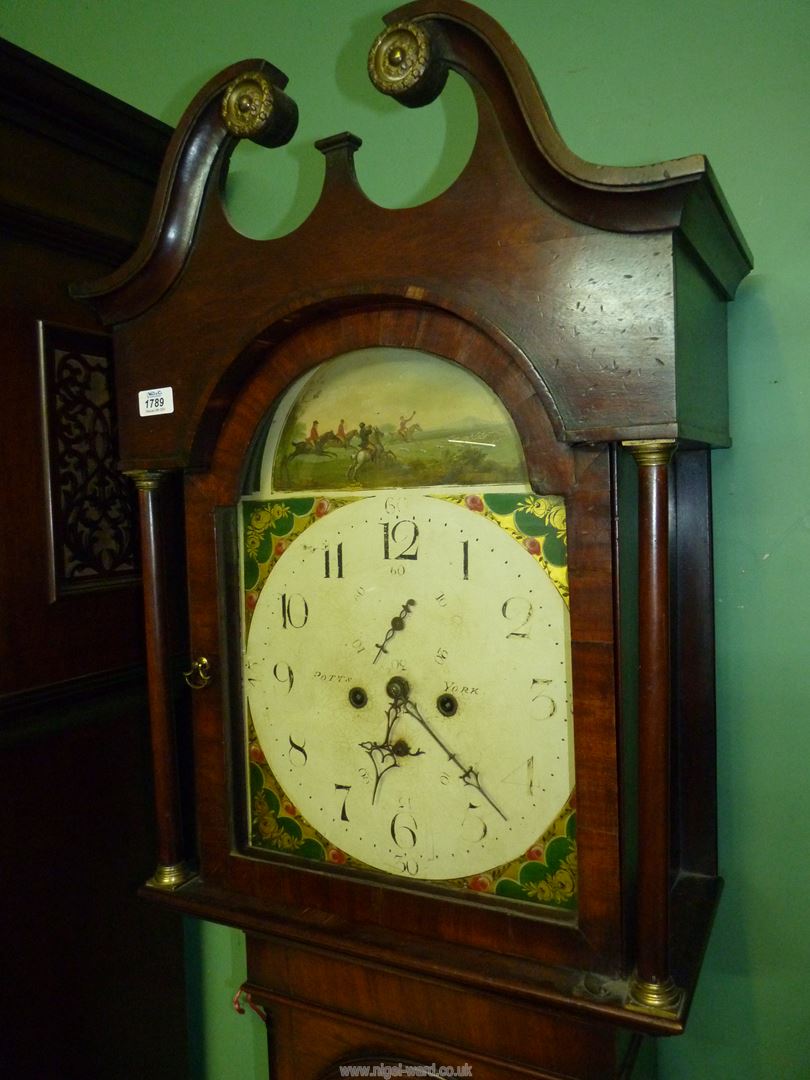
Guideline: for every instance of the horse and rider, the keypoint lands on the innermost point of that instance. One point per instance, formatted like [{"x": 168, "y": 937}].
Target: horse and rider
[
  {"x": 406, "y": 428},
  {"x": 370, "y": 448},
  {"x": 370, "y": 444}
]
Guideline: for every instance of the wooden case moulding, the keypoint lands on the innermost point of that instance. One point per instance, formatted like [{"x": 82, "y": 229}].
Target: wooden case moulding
[{"x": 588, "y": 249}]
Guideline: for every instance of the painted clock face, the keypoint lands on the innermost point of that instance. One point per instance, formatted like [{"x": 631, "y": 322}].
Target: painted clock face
[{"x": 407, "y": 673}]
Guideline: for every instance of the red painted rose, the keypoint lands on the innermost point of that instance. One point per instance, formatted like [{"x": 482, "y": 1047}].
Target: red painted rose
[{"x": 480, "y": 883}]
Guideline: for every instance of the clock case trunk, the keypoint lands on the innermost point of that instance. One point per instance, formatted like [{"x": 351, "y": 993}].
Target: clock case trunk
[{"x": 592, "y": 300}]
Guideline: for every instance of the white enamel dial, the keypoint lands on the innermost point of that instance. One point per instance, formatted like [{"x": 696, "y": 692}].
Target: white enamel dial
[{"x": 461, "y": 762}]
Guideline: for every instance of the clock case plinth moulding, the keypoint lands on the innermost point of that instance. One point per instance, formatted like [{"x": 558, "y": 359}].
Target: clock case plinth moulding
[{"x": 592, "y": 300}]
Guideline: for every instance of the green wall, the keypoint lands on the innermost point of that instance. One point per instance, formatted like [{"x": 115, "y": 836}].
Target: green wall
[{"x": 630, "y": 81}]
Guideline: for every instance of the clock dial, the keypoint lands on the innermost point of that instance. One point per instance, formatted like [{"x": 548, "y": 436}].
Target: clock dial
[{"x": 407, "y": 673}]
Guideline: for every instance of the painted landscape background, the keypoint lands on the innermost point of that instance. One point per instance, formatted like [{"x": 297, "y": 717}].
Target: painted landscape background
[
  {"x": 390, "y": 417},
  {"x": 424, "y": 458}
]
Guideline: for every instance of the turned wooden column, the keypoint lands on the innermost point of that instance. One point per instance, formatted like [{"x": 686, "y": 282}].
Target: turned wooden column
[
  {"x": 172, "y": 869},
  {"x": 652, "y": 986}
]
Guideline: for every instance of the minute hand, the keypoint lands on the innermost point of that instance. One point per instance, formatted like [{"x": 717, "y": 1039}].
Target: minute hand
[{"x": 468, "y": 774}]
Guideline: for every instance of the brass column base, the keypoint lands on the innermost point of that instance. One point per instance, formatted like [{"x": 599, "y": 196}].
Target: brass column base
[
  {"x": 170, "y": 877},
  {"x": 655, "y": 998}
]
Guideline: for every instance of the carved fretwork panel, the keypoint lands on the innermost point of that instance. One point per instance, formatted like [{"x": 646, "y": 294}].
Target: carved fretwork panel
[{"x": 92, "y": 507}]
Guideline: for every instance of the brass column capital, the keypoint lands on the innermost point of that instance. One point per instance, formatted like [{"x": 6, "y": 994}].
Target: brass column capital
[
  {"x": 649, "y": 452},
  {"x": 146, "y": 479}
]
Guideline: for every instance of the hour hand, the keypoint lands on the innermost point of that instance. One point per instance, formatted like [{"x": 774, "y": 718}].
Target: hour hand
[
  {"x": 383, "y": 758},
  {"x": 384, "y": 755},
  {"x": 397, "y": 624}
]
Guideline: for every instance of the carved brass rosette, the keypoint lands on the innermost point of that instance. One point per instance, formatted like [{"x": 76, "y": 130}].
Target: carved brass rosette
[
  {"x": 247, "y": 105},
  {"x": 399, "y": 58}
]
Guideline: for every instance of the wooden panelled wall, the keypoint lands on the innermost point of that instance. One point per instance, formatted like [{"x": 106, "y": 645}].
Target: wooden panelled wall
[{"x": 91, "y": 980}]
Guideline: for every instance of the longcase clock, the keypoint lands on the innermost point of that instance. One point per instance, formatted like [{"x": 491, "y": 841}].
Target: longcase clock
[{"x": 447, "y": 507}]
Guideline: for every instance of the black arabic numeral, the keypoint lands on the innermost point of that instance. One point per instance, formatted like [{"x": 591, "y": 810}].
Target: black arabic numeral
[
  {"x": 283, "y": 673},
  {"x": 403, "y": 532},
  {"x": 474, "y": 827},
  {"x": 517, "y": 610},
  {"x": 522, "y": 776},
  {"x": 403, "y": 830},
  {"x": 297, "y": 754},
  {"x": 294, "y": 611},
  {"x": 327, "y": 562},
  {"x": 543, "y": 695},
  {"x": 345, "y": 788}
]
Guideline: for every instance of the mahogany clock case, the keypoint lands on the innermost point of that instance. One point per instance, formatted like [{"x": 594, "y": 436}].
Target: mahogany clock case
[
  {"x": 602, "y": 568},
  {"x": 583, "y": 477}
]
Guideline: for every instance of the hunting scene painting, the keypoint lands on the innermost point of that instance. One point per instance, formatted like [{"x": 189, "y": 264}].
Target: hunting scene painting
[{"x": 386, "y": 417}]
